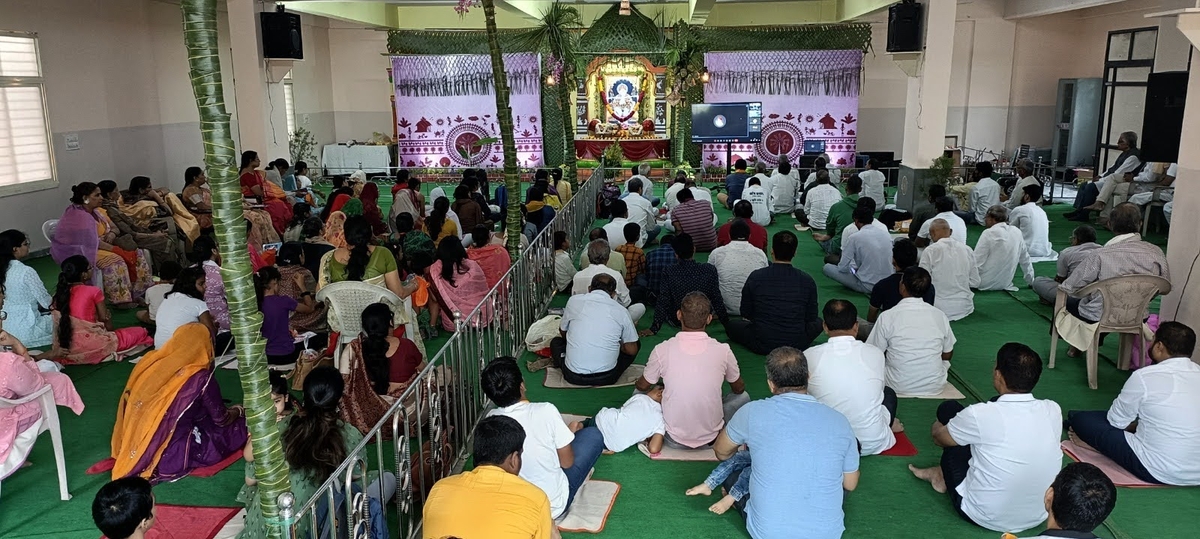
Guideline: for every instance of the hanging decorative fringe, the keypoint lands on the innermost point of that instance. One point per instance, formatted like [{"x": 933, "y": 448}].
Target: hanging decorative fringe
[
  {"x": 519, "y": 82},
  {"x": 842, "y": 82}
]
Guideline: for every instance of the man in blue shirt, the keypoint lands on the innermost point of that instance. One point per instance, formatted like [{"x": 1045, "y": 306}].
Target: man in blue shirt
[
  {"x": 734, "y": 184},
  {"x": 657, "y": 262},
  {"x": 803, "y": 456}
]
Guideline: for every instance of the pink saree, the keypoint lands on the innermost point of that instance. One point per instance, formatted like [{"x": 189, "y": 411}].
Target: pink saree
[
  {"x": 19, "y": 377},
  {"x": 464, "y": 295}
]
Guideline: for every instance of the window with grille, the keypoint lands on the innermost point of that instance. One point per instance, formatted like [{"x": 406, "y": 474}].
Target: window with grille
[
  {"x": 289, "y": 103},
  {"x": 26, "y": 158}
]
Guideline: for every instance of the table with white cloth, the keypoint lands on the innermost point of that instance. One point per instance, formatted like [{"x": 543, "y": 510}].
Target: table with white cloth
[{"x": 342, "y": 160}]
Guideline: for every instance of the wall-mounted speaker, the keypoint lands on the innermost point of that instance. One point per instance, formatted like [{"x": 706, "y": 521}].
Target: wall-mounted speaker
[
  {"x": 281, "y": 35},
  {"x": 904, "y": 27},
  {"x": 1166, "y": 95}
]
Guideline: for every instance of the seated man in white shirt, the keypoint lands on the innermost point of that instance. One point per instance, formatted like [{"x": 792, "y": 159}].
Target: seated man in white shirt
[
  {"x": 615, "y": 229},
  {"x": 1000, "y": 456},
  {"x": 1161, "y": 190},
  {"x": 847, "y": 375},
  {"x": 852, "y": 228},
  {"x": 1024, "y": 170},
  {"x": 784, "y": 189},
  {"x": 874, "y": 183},
  {"x": 759, "y": 199},
  {"x": 599, "y": 340},
  {"x": 984, "y": 195},
  {"x": 952, "y": 265},
  {"x": 597, "y": 252},
  {"x": 1118, "y": 190},
  {"x": 762, "y": 172},
  {"x": 915, "y": 338},
  {"x": 1078, "y": 501},
  {"x": 866, "y": 256},
  {"x": 945, "y": 211},
  {"x": 1083, "y": 239},
  {"x": 817, "y": 202},
  {"x": 616, "y": 260},
  {"x": 735, "y": 262},
  {"x": 1031, "y": 219},
  {"x": 552, "y": 458},
  {"x": 1153, "y": 427},
  {"x": 641, "y": 210},
  {"x": 1000, "y": 251}
]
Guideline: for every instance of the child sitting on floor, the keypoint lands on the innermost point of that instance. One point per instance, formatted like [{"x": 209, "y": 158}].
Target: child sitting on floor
[
  {"x": 157, "y": 293},
  {"x": 739, "y": 463},
  {"x": 639, "y": 419}
]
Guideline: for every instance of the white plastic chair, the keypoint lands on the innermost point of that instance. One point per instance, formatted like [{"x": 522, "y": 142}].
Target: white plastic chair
[
  {"x": 48, "y": 229},
  {"x": 45, "y": 399},
  {"x": 347, "y": 300}
]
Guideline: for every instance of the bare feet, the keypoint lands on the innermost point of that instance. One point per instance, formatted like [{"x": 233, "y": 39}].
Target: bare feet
[
  {"x": 1077, "y": 441},
  {"x": 699, "y": 490},
  {"x": 722, "y": 506},
  {"x": 897, "y": 426},
  {"x": 932, "y": 475},
  {"x": 607, "y": 452},
  {"x": 575, "y": 426}
]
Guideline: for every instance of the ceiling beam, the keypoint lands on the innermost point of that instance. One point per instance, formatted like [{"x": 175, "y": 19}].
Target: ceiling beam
[
  {"x": 1021, "y": 9},
  {"x": 698, "y": 10}
]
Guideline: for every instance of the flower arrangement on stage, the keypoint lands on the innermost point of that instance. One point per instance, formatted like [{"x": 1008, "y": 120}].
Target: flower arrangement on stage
[{"x": 614, "y": 154}]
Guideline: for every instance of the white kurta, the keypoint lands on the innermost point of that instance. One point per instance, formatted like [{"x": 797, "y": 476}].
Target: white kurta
[
  {"x": 1000, "y": 250},
  {"x": 1035, "y": 228},
  {"x": 951, "y": 264}
]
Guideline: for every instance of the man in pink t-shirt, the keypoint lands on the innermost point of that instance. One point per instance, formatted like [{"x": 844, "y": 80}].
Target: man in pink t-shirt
[{"x": 694, "y": 368}]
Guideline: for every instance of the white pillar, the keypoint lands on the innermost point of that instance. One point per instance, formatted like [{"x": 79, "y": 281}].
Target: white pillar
[
  {"x": 258, "y": 105},
  {"x": 929, "y": 88},
  {"x": 1183, "y": 303}
]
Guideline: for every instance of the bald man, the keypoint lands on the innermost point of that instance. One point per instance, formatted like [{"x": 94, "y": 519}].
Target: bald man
[{"x": 951, "y": 263}]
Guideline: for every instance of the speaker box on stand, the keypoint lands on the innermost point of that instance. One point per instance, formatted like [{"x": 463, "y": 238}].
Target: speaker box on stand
[
  {"x": 281, "y": 36},
  {"x": 1166, "y": 94},
  {"x": 905, "y": 22}
]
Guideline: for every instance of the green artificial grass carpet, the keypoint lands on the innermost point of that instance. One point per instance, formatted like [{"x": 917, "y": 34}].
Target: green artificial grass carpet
[{"x": 889, "y": 502}]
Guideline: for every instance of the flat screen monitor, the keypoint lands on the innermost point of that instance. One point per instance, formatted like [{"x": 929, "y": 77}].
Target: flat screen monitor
[
  {"x": 814, "y": 147},
  {"x": 727, "y": 122}
]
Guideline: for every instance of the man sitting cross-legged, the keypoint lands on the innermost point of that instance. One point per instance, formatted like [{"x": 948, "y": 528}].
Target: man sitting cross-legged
[
  {"x": 804, "y": 456},
  {"x": 847, "y": 375},
  {"x": 491, "y": 500},
  {"x": 866, "y": 256},
  {"x": 952, "y": 265},
  {"x": 916, "y": 339},
  {"x": 615, "y": 260},
  {"x": 1153, "y": 427},
  {"x": 598, "y": 252},
  {"x": 598, "y": 340},
  {"x": 1078, "y": 501},
  {"x": 684, "y": 277},
  {"x": 779, "y": 303},
  {"x": 694, "y": 368},
  {"x": 735, "y": 262},
  {"x": 999, "y": 457},
  {"x": 552, "y": 458},
  {"x": 1000, "y": 251},
  {"x": 886, "y": 293}
]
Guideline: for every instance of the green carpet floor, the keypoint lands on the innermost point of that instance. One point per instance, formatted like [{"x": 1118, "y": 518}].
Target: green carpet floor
[{"x": 889, "y": 502}]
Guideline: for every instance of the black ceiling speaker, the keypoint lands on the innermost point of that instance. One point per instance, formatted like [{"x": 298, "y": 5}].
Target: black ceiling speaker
[
  {"x": 904, "y": 27},
  {"x": 281, "y": 35}
]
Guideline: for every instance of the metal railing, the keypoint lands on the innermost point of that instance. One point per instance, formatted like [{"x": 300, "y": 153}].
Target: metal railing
[{"x": 426, "y": 433}]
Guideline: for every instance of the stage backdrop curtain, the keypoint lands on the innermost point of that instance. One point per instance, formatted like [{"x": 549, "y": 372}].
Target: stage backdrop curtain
[
  {"x": 446, "y": 102},
  {"x": 806, "y": 95}
]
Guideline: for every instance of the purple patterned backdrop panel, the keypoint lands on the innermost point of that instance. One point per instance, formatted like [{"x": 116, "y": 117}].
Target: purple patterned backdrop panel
[
  {"x": 806, "y": 95},
  {"x": 445, "y": 104}
]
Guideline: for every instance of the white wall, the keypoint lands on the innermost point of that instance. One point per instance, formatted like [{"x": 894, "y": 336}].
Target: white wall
[{"x": 361, "y": 92}]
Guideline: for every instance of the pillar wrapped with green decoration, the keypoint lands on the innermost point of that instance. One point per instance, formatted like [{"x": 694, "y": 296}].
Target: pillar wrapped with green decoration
[{"x": 220, "y": 159}]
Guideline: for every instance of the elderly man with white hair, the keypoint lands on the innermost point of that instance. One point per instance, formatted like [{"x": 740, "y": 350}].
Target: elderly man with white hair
[
  {"x": 952, "y": 265},
  {"x": 598, "y": 252},
  {"x": 1000, "y": 250},
  {"x": 1128, "y": 162},
  {"x": 1024, "y": 170}
]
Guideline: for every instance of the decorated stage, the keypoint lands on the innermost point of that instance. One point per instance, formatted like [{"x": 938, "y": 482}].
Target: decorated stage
[{"x": 633, "y": 149}]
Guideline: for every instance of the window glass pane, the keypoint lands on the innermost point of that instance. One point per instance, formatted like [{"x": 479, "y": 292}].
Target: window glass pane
[
  {"x": 18, "y": 57},
  {"x": 1133, "y": 74},
  {"x": 1118, "y": 46},
  {"x": 1144, "y": 44},
  {"x": 1128, "y": 110},
  {"x": 24, "y": 147}
]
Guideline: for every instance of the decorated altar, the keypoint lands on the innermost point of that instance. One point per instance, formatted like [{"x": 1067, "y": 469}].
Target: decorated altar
[{"x": 621, "y": 100}]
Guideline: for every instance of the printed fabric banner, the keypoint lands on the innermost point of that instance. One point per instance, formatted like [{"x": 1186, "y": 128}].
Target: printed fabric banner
[
  {"x": 446, "y": 104},
  {"x": 806, "y": 95}
]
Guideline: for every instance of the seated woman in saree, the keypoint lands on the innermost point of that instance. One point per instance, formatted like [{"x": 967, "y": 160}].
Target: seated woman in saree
[
  {"x": 198, "y": 200},
  {"x": 382, "y": 364},
  {"x": 85, "y": 333},
  {"x": 439, "y": 225},
  {"x": 145, "y": 205},
  {"x": 301, "y": 211},
  {"x": 315, "y": 245},
  {"x": 273, "y": 197},
  {"x": 338, "y": 198},
  {"x": 362, "y": 260},
  {"x": 407, "y": 199},
  {"x": 171, "y": 419},
  {"x": 291, "y": 263},
  {"x": 492, "y": 257},
  {"x": 84, "y": 230},
  {"x": 370, "y": 202},
  {"x": 163, "y": 245},
  {"x": 460, "y": 284},
  {"x": 204, "y": 252},
  {"x": 20, "y": 377},
  {"x": 278, "y": 173},
  {"x": 27, "y": 302},
  {"x": 315, "y": 442}
]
